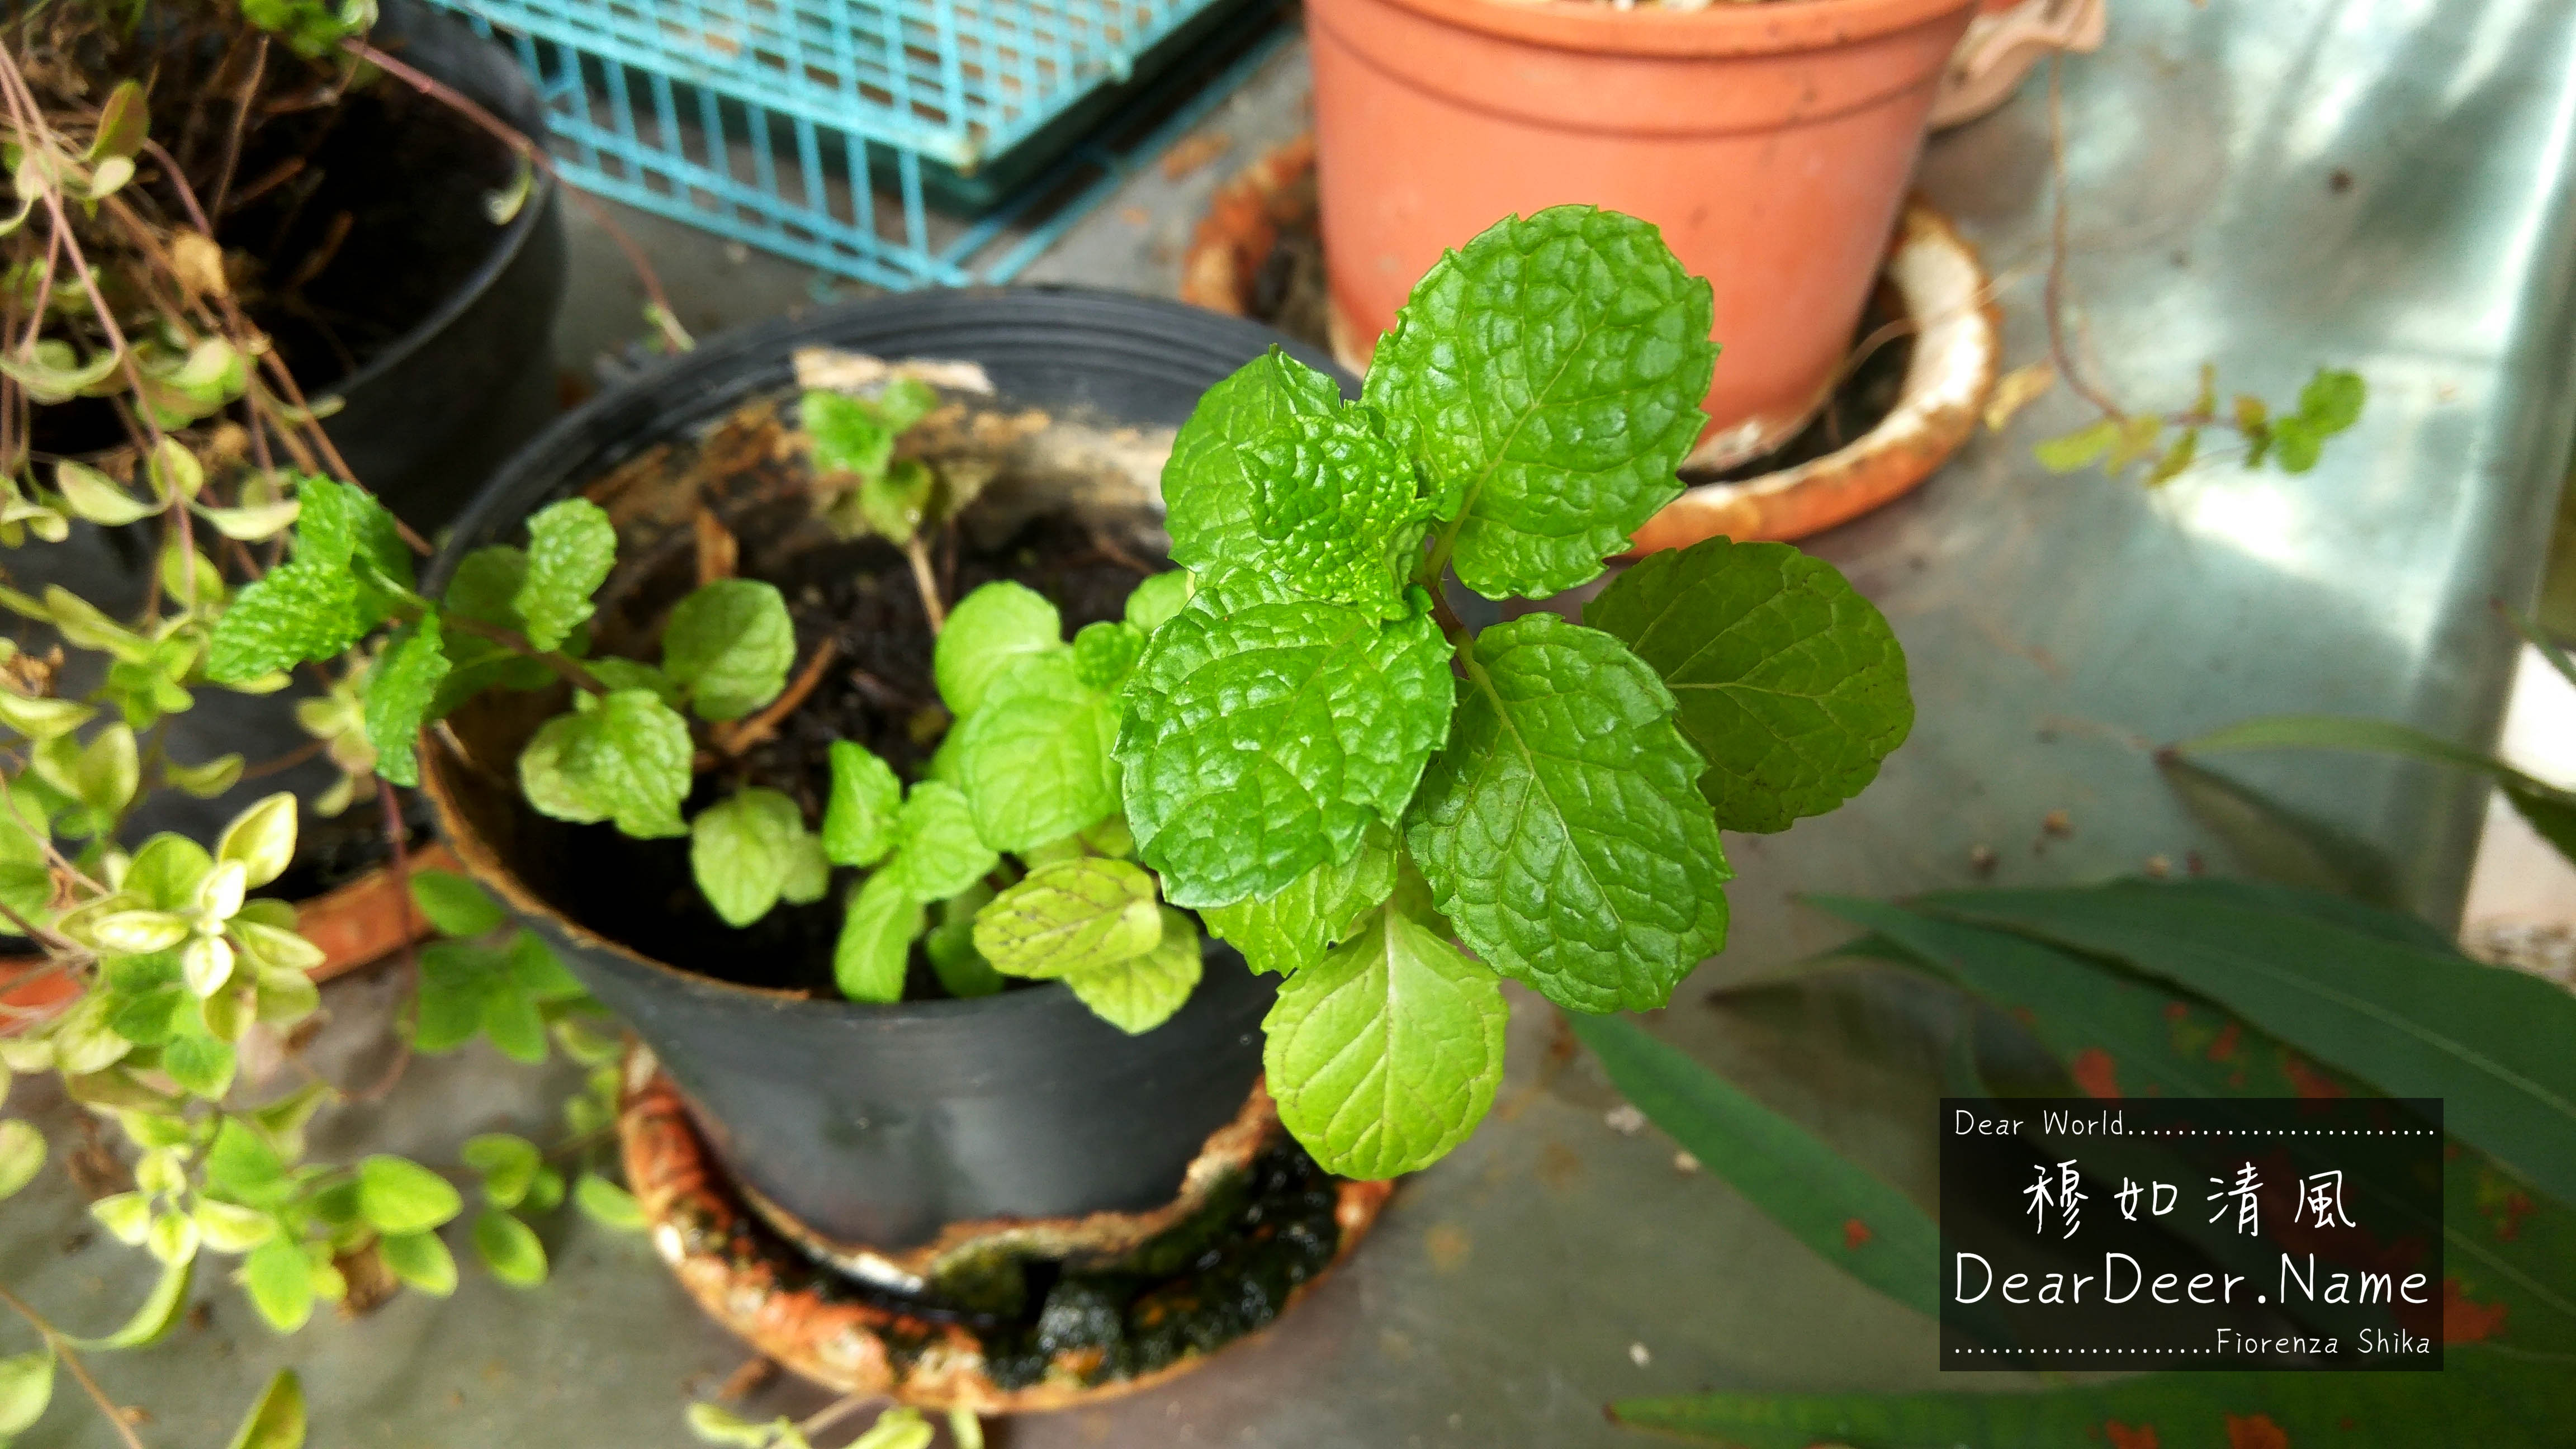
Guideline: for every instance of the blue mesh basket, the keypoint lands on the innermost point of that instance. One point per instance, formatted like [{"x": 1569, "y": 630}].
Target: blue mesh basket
[{"x": 823, "y": 129}]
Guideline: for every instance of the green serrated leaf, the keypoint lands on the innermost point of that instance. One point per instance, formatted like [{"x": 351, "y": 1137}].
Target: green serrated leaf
[
  {"x": 1385, "y": 1054},
  {"x": 419, "y": 1260},
  {"x": 1296, "y": 925},
  {"x": 509, "y": 1248},
  {"x": 859, "y": 818},
  {"x": 295, "y": 613},
  {"x": 399, "y": 1196},
  {"x": 626, "y": 760},
  {"x": 1263, "y": 732},
  {"x": 1562, "y": 830},
  {"x": 742, "y": 849},
  {"x": 894, "y": 502},
  {"x": 988, "y": 630},
  {"x": 877, "y": 929},
  {"x": 1790, "y": 685},
  {"x": 1554, "y": 369},
  {"x": 400, "y": 689},
  {"x": 571, "y": 548},
  {"x": 455, "y": 905},
  {"x": 849, "y": 437},
  {"x": 1211, "y": 494},
  {"x": 1105, "y": 653},
  {"x": 1034, "y": 761},
  {"x": 730, "y": 644},
  {"x": 937, "y": 852},
  {"x": 1069, "y": 916},
  {"x": 962, "y": 969},
  {"x": 1141, "y": 992}
]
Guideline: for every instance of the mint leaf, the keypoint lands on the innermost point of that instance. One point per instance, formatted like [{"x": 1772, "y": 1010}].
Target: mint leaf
[
  {"x": 1562, "y": 831},
  {"x": 1141, "y": 992},
  {"x": 618, "y": 673},
  {"x": 877, "y": 929},
  {"x": 293, "y": 614},
  {"x": 400, "y": 688},
  {"x": 454, "y": 904},
  {"x": 1791, "y": 685},
  {"x": 858, "y": 819},
  {"x": 624, "y": 758},
  {"x": 1211, "y": 490},
  {"x": 1034, "y": 760},
  {"x": 1263, "y": 732},
  {"x": 484, "y": 588},
  {"x": 342, "y": 525},
  {"x": 1385, "y": 1054},
  {"x": 1105, "y": 653},
  {"x": 1554, "y": 369},
  {"x": 951, "y": 946},
  {"x": 987, "y": 630},
  {"x": 848, "y": 438},
  {"x": 937, "y": 853},
  {"x": 571, "y": 547},
  {"x": 893, "y": 503},
  {"x": 1339, "y": 515},
  {"x": 742, "y": 850},
  {"x": 1159, "y": 597},
  {"x": 1068, "y": 916},
  {"x": 729, "y": 644},
  {"x": 1296, "y": 925}
]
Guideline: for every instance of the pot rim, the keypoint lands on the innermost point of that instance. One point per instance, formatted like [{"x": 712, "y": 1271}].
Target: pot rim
[
  {"x": 533, "y": 211},
  {"x": 1780, "y": 27}
]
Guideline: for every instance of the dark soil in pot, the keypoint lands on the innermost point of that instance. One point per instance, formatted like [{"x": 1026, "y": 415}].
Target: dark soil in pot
[{"x": 875, "y": 1126}]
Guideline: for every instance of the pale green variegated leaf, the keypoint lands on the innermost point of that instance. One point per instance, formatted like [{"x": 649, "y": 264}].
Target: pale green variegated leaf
[
  {"x": 1562, "y": 830},
  {"x": 26, "y": 1387},
  {"x": 1211, "y": 491},
  {"x": 279, "y": 1280},
  {"x": 1033, "y": 760},
  {"x": 742, "y": 850},
  {"x": 1068, "y": 916},
  {"x": 571, "y": 548},
  {"x": 399, "y": 690},
  {"x": 858, "y": 819},
  {"x": 1141, "y": 993},
  {"x": 1553, "y": 368},
  {"x": 1264, "y": 732},
  {"x": 987, "y": 631},
  {"x": 1790, "y": 684},
  {"x": 22, "y": 1155},
  {"x": 936, "y": 850},
  {"x": 1318, "y": 910},
  {"x": 877, "y": 929},
  {"x": 729, "y": 645},
  {"x": 1385, "y": 1054},
  {"x": 625, "y": 759}
]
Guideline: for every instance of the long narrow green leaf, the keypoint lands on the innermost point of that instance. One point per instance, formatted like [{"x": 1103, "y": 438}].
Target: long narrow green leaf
[
  {"x": 158, "y": 1315},
  {"x": 2551, "y": 810},
  {"x": 2512, "y": 1258},
  {"x": 2481, "y": 1397},
  {"x": 2492, "y": 1043},
  {"x": 1846, "y": 1216},
  {"x": 277, "y": 1420}
]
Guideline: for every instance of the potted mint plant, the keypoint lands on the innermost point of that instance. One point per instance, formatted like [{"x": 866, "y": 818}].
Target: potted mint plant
[{"x": 952, "y": 913}]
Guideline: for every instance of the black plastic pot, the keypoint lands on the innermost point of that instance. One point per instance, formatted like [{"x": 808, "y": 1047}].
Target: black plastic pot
[
  {"x": 426, "y": 420},
  {"x": 879, "y": 1125}
]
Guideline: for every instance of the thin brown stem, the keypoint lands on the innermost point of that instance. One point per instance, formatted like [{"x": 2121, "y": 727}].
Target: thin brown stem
[
  {"x": 664, "y": 317},
  {"x": 61, "y": 1344},
  {"x": 2053, "y": 300},
  {"x": 928, "y": 583},
  {"x": 241, "y": 118},
  {"x": 734, "y": 739}
]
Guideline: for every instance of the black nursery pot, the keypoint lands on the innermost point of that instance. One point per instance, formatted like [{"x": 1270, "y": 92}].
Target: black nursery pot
[
  {"x": 877, "y": 1126},
  {"x": 429, "y": 417}
]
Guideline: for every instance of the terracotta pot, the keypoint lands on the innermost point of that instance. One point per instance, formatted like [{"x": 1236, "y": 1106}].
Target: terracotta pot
[{"x": 1771, "y": 143}]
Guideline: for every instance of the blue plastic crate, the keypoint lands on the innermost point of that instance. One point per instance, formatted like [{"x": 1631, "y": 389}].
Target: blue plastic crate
[{"x": 823, "y": 129}]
